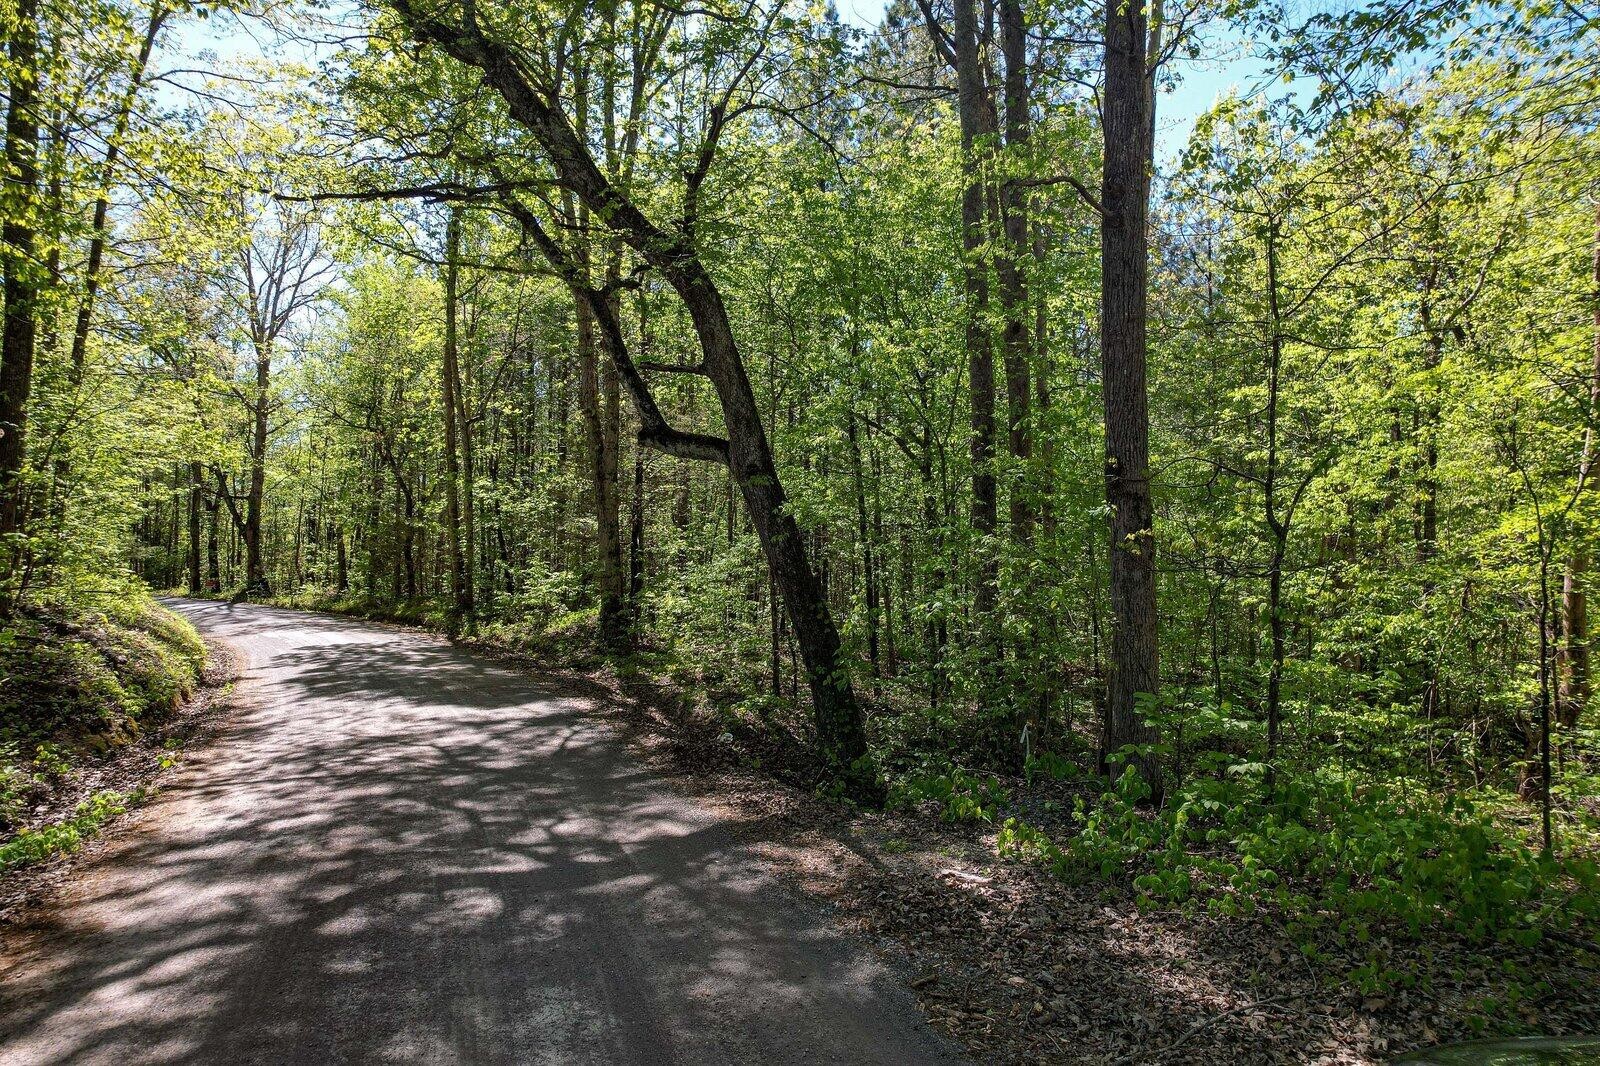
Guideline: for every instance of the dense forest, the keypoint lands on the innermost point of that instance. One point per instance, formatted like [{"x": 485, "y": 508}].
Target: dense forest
[{"x": 911, "y": 396}]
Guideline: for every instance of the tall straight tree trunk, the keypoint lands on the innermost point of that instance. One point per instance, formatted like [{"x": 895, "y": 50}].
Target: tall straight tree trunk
[
  {"x": 1575, "y": 678},
  {"x": 1124, "y": 201},
  {"x": 600, "y": 445},
  {"x": 603, "y": 483},
  {"x": 450, "y": 380},
  {"x": 636, "y": 539},
  {"x": 213, "y": 548},
  {"x": 1041, "y": 403},
  {"x": 255, "y": 578},
  {"x": 869, "y": 569},
  {"x": 196, "y": 502},
  {"x": 1016, "y": 341},
  {"x": 977, "y": 133},
  {"x": 469, "y": 507},
  {"x": 1277, "y": 521},
  {"x": 23, "y": 280}
]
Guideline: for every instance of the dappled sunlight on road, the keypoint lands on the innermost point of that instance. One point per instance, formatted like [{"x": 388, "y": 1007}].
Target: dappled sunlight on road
[{"x": 399, "y": 851}]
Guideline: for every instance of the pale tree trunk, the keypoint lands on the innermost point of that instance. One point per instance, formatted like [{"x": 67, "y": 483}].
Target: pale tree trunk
[{"x": 1124, "y": 202}]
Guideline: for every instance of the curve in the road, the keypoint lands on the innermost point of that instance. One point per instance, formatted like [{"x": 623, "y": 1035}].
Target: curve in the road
[{"x": 401, "y": 852}]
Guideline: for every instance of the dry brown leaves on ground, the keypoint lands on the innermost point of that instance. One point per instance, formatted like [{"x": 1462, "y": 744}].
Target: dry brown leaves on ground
[{"x": 1023, "y": 968}]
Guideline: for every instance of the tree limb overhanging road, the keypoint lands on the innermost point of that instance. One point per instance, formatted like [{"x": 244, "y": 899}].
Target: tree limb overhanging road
[{"x": 398, "y": 851}]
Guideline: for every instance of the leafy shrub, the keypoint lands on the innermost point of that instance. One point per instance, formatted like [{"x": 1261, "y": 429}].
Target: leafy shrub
[
  {"x": 1334, "y": 857},
  {"x": 33, "y": 846},
  {"x": 962, "y": 796}
]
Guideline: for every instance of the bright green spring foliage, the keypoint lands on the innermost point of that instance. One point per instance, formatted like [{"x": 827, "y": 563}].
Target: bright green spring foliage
[
  {"x": 1372, "y": 389},
  {"x": 1346, "y": 860}
]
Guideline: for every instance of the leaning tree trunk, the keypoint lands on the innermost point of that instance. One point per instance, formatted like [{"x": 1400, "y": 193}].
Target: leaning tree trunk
[
  {"x": 1124, "y": 201},
  {"x": 841, "y": 735},
  {"x": 838, "y": 716}
]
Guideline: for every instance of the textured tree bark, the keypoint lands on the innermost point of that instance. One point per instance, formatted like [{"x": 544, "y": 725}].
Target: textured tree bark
[
  {"x": 469, "y": 522},
  {"x": 255, "y": 578},
  {"x": 601, "y": 456},
  {"x": 196, "y": 502},
  {"x": 18, "y": 333},
  {"x": 1124, "y": 200},
  {"x": 977, "y": 132},
  {"x": 450, "y": 382},
  {"x": 600, "y": 444},
  {"x": 1016, "y": 340}
]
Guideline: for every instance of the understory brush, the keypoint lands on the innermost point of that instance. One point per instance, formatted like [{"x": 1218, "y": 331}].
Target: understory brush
[
  {"x": 1342, "y": 860},
  {"x": 79, "y": 679},
  {"x": 87, "y": 675},
  {"x": 30, "y": 846}
]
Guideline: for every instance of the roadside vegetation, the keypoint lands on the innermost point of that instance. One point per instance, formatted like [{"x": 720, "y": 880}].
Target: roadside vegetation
[
  {"x": 78, "y": 682},
  {"x": 1200, "y": 518}
]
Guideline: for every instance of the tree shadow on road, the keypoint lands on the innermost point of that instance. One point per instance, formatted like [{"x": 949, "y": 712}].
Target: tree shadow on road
[{"x": 401, "y": 851}]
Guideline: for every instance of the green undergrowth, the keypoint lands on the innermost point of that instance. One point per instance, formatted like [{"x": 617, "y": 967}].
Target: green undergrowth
[
  {"x": 423, "y": 611},
  {"x": 89, "y": 675},
  {"x": 30, "y": 846},
  {"x": 1344, "y": 862},
  {"x": 549, "y": 620},
  {"x": 1344, "y": 857},
  {"x": 78, "y": 680}
]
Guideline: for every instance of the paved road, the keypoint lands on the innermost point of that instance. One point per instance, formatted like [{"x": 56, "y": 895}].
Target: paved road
[{"x": 399, "y": 852}]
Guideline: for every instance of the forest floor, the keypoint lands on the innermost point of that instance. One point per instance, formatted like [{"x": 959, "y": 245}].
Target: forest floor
[
  {"x": 1011, "y": 963},
  {"x": 1021, "y": 967}
]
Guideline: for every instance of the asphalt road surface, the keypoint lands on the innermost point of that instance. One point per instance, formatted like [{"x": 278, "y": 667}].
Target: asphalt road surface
[{"x": 397, "y": 851}]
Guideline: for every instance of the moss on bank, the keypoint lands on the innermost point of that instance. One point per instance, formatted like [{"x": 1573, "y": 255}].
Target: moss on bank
[{"x": 76, "y": 683}]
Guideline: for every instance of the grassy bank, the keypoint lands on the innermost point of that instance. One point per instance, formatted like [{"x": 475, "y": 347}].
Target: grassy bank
[{"x": 78, "y": 682}]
